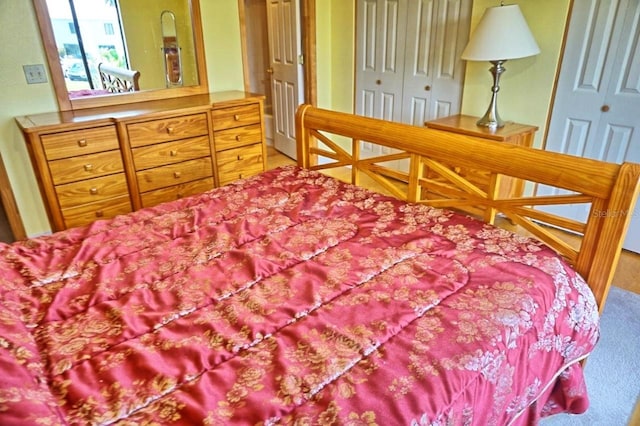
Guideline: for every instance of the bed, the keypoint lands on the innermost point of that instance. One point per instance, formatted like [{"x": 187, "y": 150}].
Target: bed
[{"x": 293, "y": 297}]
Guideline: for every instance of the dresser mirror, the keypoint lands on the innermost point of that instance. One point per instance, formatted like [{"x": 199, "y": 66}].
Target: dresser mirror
[{"x": 110, "y": 52}]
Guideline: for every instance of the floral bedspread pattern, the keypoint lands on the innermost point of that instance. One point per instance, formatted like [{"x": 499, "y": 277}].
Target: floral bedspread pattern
[{"x": 290, "y": 298}]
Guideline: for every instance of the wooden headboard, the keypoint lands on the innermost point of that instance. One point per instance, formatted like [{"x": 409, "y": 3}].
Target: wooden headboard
[
  {"x": 437, "y": 174},
  {"x": 118, "y": 80}
]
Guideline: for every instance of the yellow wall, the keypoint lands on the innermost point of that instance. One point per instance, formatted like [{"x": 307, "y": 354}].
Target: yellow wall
[
  {"x": 335, "y": 32},
  {"x": 22, "y": 45},
  {"x": 21, "y": 40},
  {"x": 527, "y": 84},
  {"x": 141, "y": 22},
  {"x": 221, "y": 29}
]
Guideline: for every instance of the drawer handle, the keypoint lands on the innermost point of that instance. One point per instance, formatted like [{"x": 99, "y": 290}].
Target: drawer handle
[
  {"x": 239, "y": 175},
  {"x": 170, "y": 130},
  {"x": 236, "y": 117},
  {"x": 238, "y": 138},
  {"x": 178, "y": 195},
  {"x": 173, "y": 152},
  {"x": 93, "y": 191},
  {"x": 88, "y": 167},
  {"x": 99, "y": 213},
  {"x": 82, "y": 143},
  {"x": 177, "y": 175},
  {"x": 239, "y": 157}
]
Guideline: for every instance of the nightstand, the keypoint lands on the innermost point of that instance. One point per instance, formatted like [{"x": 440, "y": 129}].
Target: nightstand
[{"x": 511, "y": 133}]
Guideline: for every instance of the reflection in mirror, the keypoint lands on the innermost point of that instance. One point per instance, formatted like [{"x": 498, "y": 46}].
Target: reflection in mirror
[
  {"x": 144, "y": 30},
  {"x": 171, "y": 49},
  {"x": 88, "y": 33},
  {"x": 128, "y": 38}
]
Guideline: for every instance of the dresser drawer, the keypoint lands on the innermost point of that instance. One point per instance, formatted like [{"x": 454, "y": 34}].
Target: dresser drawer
[
  {"x": 85, "y": 167},
  {"x": 171, "y": 152},
  {"x": 239, "y": 163},
  {"x": 173, "y": 174},
  {"x": 87, "y": 213},
  {"x": 232, "y": 138},
  {"x": 79, "y": 142},
  {"x": 176, "y": 192},
  {"x": 227, "y": 118},
  {"x": 91, "y": 190},
  {"x": 167, "y": 129}
]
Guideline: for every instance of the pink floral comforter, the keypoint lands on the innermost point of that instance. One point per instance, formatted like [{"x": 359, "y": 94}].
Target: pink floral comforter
[{"x": 290, "y": 298}]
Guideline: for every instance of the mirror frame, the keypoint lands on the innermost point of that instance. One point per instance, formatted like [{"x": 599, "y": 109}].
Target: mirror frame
[{"x": 60, "y": 87}]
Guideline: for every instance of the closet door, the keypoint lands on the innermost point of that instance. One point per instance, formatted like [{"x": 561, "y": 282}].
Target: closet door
[
  {"x": 408, "y": 66},
  {"x": 380, "y": 42},
  {"x": 597, "y": 101},
  {"x": 437, "y": 32}
]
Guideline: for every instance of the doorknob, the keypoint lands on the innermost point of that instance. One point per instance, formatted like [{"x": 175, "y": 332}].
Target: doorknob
[
  {"x": 427, "y": 87},
  {"x": 378, "y": 82},
  {"x": 604, "y": 108},
  {"x": 269, "y": 70}
]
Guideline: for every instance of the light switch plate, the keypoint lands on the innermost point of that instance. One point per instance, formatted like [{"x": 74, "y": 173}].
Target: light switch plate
[{"x": 35, "y": 73}]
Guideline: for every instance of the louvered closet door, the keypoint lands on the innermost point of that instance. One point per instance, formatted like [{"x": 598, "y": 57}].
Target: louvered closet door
[
  {"x": 437, "y": 32},
  {"x": 596, "y": 113}
]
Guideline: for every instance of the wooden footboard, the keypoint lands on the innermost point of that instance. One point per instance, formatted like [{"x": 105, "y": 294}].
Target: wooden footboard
[{"x": 443, "y": 168}]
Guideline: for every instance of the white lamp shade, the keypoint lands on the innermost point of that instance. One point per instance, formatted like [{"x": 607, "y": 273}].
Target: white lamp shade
[{"x": 501, "y": 34}]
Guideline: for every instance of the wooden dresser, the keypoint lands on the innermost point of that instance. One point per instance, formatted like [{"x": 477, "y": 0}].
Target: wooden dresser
[{"x": 98, "y": 163}]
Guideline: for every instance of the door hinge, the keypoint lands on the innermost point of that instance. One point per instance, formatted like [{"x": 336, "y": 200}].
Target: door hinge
[{"x": 300, "y": 59}]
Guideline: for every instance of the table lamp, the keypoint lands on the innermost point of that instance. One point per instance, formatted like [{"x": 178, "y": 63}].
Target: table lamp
[{"x": 501, "y": 34}]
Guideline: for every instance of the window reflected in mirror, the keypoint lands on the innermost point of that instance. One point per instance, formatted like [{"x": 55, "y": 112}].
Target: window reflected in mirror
[{"x": 118, "y": 46}]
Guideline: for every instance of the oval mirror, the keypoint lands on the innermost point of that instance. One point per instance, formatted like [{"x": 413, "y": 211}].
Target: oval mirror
[
  {"x": 108, "y": 52},
  {"x": 171, "y": 49}
]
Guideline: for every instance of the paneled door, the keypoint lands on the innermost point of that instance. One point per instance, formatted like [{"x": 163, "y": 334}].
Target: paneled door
[
  {"x": 408, "y": 66},
  {"x": 285, "y": 54},
  {"x": 380, "y": 44},
  {"x": 437, "y": 32},
  {"x": 596, "y": 113}
]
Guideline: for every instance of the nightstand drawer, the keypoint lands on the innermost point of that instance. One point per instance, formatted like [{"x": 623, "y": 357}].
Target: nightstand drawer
[
  {"x": 227, "y": 118},
  {"x": 176, "y": 192},
  {"x": 173, "y": 174},
  {"x": 91, "y": 190},
  {"x": 171, "y": 152},
  {"x": 79, "y": 142},
  {"x": 239, "y": 163},
  {"x": 85, "y": 167},
  {"x": 233, "y": 138},
  {"x": 168, "y": 129},
  {"x": 87, "y": 213}
]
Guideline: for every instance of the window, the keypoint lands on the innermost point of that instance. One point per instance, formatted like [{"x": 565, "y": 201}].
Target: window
[{"x": 95, "y": 36}]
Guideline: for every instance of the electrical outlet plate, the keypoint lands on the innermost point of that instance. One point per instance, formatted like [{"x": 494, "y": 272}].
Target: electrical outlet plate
[{"x": 35, "y": 73}]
